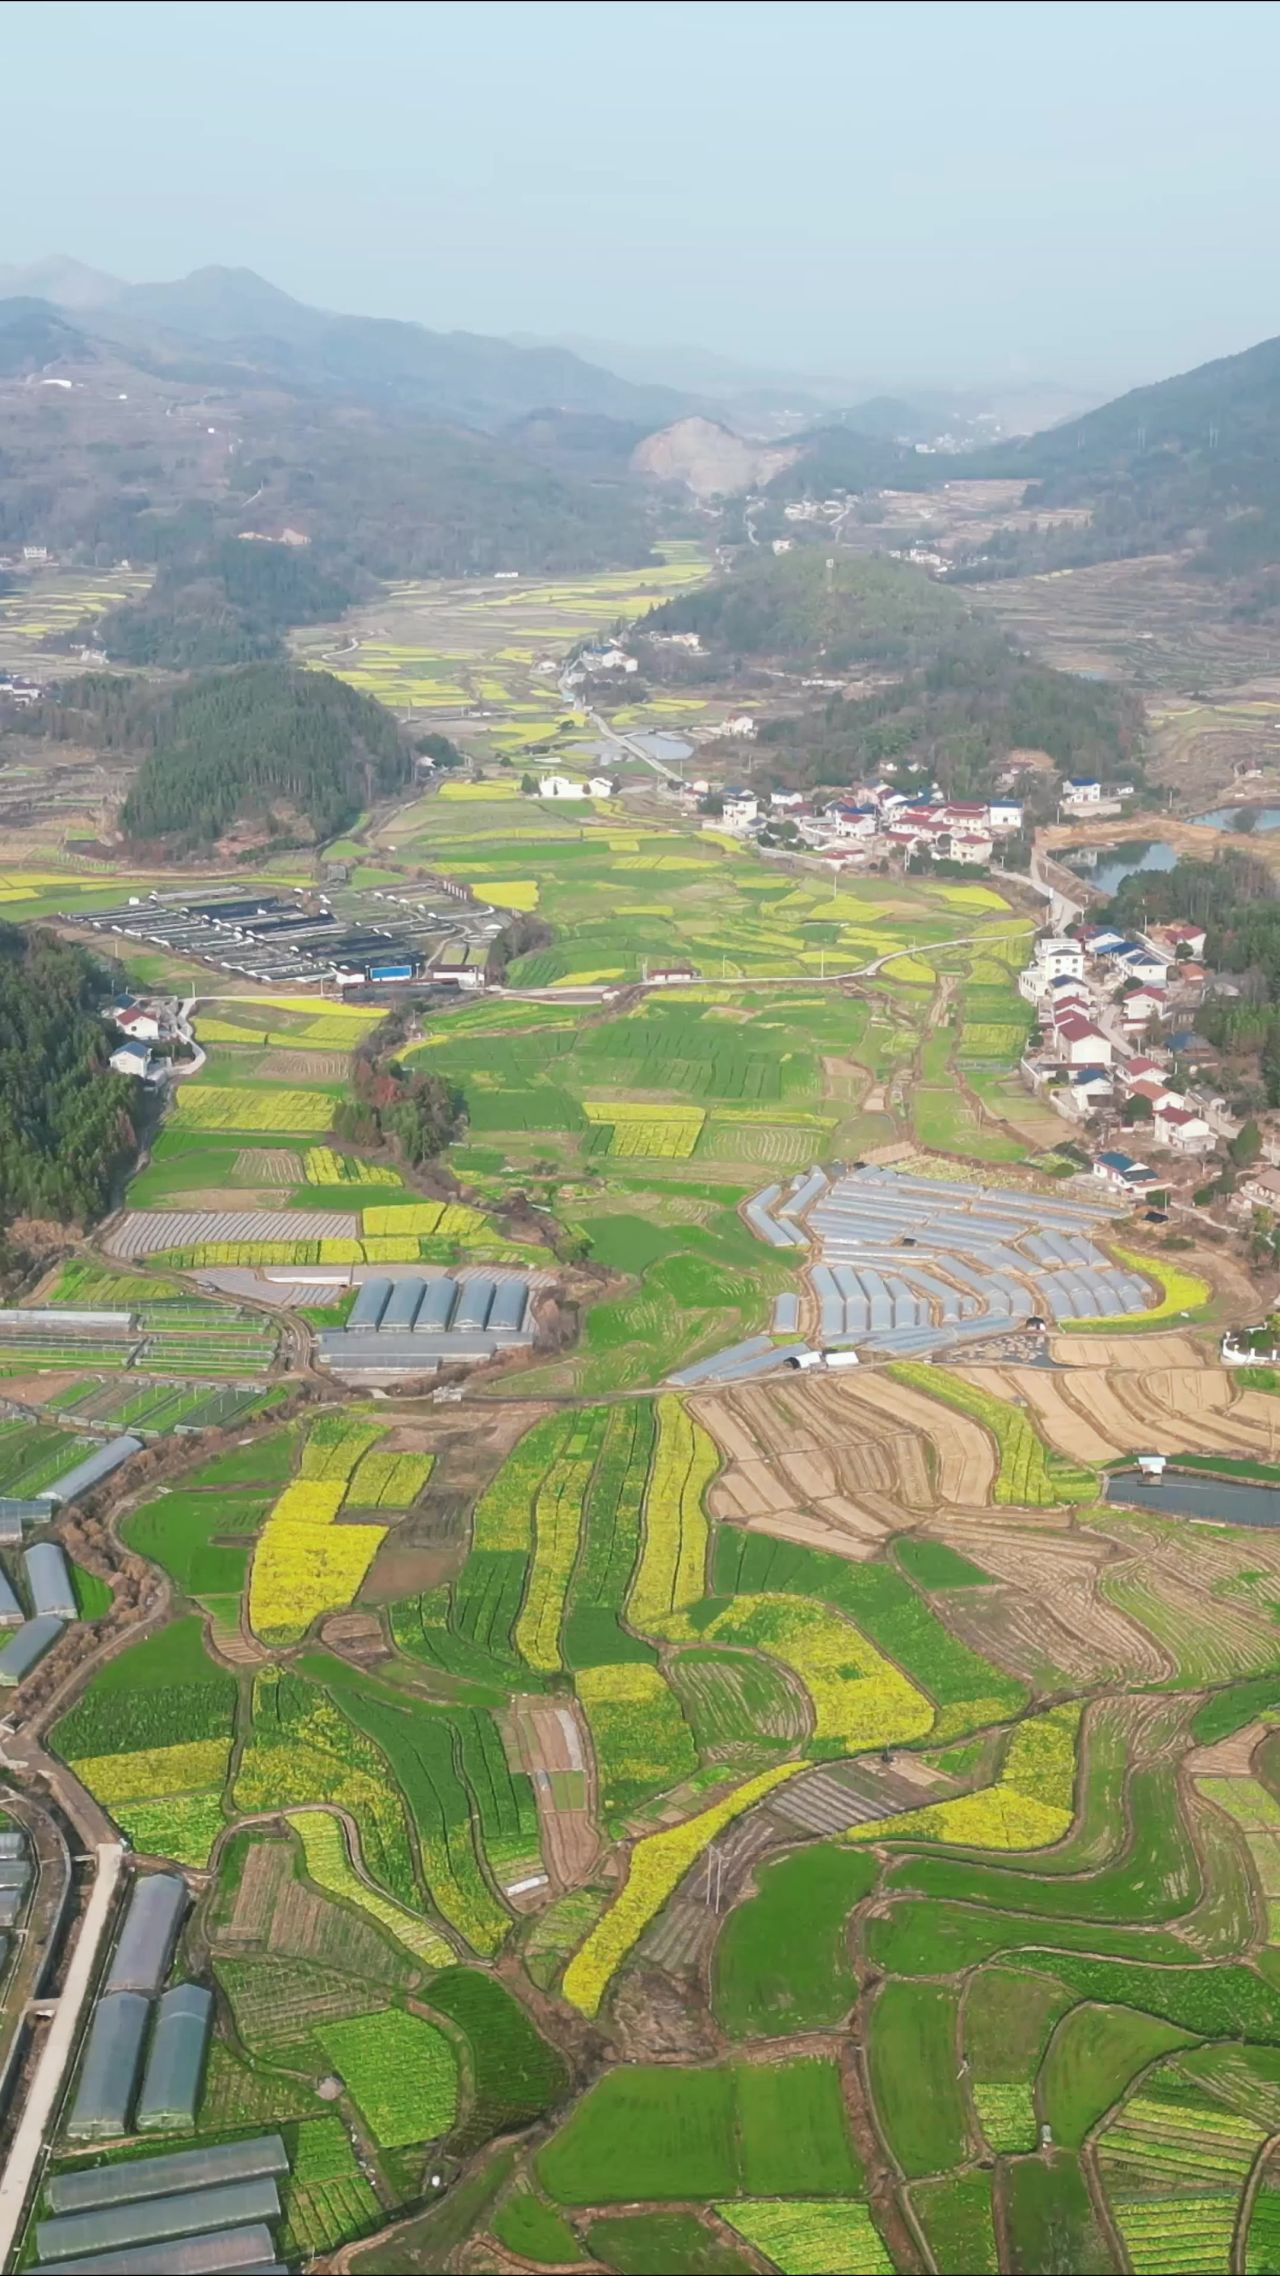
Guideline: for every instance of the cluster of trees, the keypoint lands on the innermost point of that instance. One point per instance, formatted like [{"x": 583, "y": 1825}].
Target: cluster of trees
[
  {"x": 223, "y": 600},
  {"x": 955, "y": 696},
  {"x": 1191, "y": 461},
  {"x": 66, "y": 1121},
  {"x": 295, "y": 750},
  {"x": 836, "y": 611},
  {"x": 1237, "y": 901},
  {"x": 955, "y": 720},
  {"x": 417, "y": 1115}
]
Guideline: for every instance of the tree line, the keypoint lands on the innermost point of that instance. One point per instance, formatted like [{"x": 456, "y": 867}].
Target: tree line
[{"x": 66, "y": 1119}]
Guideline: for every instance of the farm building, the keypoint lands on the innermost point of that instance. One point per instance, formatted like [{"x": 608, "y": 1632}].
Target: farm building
[
  {"x": 49, "y": 1581},
  {"x": 248, "y": 2250},
  {"x": 402, "y": 1309},
  {"x": 175, "y": 2065},
  {"x": 109, "y": 2072},
  {"x": 10, "y": 1609},
  {"x": 145, "y": 1948},
  {"x": 165, "y": 2176},
  {"x": 157, "y": 2220},
  {"x": 28, "y": 1644},
  {"x": 369, "y": 1306},
  {"x": 91, "y": 1472},
  {"x": 15, "y": 1514},
  {"x": 474, "y": 1305}
]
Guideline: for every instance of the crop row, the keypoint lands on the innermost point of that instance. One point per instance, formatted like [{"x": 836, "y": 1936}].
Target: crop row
[
  {"x": 1027, "y": 1476},
  {"x": 335, "y": 1446},
  {"x": 642, "y": 1743},
  {"x": 422, "y": 1748},
  {"x": 399, "y": 2069},
  {"x": 328, "y": 1865},
  {"x": 557, "y": 1520},
  {"x": 449, "y": 1220},
  {"x": 390, "y": 1481},
  {"x": 384, "y": 1249},
  {"x": 593, "y": 1634},
  {"x": 304, "y": 1749},
  {"x": 1170, "y": 2235},
  {"x": 655, "y": 1867},
  {"x": 1029, "y": 1805},
  {"x": 860, "y": 1699},
  {"x": 671, "y": 1577},
  {"x": 515, "y": 2075},
  {"x": 659, "y": 1141},
  {"x": 321, "y": 1166},
  {"x": 886, "y": 1608},
  {"x": 216, "y": 1106}
]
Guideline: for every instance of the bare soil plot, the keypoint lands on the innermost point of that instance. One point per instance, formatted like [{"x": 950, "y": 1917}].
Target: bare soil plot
[
  {"x": 546, "y": 1738},
  {"x": 805, "y": 1463},
  {"x": 1053, "y": 1613},
  {"x": 286, "y": 1066},
  {"x": 1228, "y": 1758},
  {"x": 1128, "y": 1353},
  {"x": 965, "y": 1458},
  {"x": 1065, "y": 1422},
  {"x": 270, "y": 1165}
]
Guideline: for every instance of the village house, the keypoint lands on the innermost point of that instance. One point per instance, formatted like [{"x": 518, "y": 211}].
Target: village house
[
  {"x": 1079, "y": 1043},
  {"x": 1183, "y": 1129},
  {"x": 1120, "y": 1172},
  {"x": 1138, "y": 1005},
  {"x": 1262, "y": 1188},
  {"x": 1082, "y": 790},
  {"x": 852, "y": 821},
  {"x": 738, "y": 808},
  {"x": 1180, "y": 936},
  {"x": 1004, "y": 816},
  {"x": 974, "y": 852},
  {"x": 560, "y": 786}
]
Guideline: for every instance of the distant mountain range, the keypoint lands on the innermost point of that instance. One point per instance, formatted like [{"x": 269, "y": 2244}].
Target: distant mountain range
[{"x": 221, "y": 319}]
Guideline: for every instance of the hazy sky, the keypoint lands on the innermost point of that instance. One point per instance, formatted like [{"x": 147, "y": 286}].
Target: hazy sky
[{"x": 972, "y": 190}]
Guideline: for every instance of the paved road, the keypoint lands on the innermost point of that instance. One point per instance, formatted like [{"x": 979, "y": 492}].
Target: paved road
[{"x": 55, "y": 2056}]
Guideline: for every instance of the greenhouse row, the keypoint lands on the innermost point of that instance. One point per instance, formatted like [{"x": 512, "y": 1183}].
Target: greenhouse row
[
  {"x": 108, "y": 2093},
  {"x": 197, "y": 2212}
]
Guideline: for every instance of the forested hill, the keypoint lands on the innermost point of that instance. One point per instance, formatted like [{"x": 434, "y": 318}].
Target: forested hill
[
  {"x": 288, "y": 753},
  {"x": 956, "y": 697},
  {"x": 1193, "y": 460},
  {"x": 809, "y": 607},
  {"x": 65, "y": 1118}
]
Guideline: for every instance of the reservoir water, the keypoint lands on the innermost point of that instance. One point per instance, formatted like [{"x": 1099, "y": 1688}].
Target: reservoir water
[
  {"x": 1223, "y": 1500},
  {"x": 1108, "y": 866},
  {"x": 1224, "y": 818}
]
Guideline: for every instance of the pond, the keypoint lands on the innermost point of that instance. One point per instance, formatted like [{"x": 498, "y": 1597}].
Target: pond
[
  {"x": 1228, "y": 818},
  {"x": 1108, "y": 866},
  {"x": 1222, "y": 1500}
]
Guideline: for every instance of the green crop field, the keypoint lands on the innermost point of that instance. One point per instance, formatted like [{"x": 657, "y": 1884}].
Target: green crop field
[{"x": 717, "y": 1830}]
